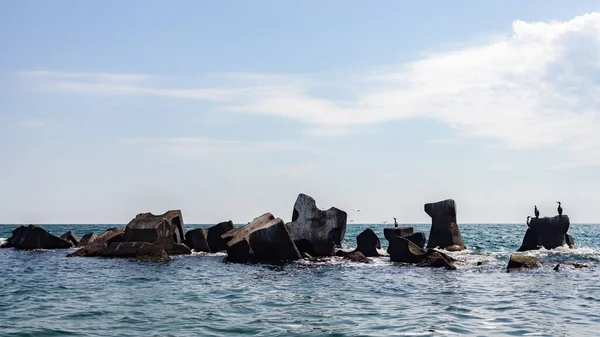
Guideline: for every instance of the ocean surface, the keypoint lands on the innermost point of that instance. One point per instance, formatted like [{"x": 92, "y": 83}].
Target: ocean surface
[{"x": 44, "y": 293}]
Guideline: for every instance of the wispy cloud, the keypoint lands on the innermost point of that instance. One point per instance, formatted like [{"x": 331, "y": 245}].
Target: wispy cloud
[
  {"x": 536, "y": 86},
  {"x": 32, "y": 123},
  {"x": 198, "y": 147}
]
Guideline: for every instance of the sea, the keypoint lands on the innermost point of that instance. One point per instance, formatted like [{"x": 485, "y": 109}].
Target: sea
[{"x": 45, "y": 293}]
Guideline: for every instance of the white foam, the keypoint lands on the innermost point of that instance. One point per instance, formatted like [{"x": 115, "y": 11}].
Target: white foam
[{"x": 3, "y": 241}]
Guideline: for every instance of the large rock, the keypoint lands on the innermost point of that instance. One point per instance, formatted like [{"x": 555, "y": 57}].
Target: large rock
[
  {"x": 147, "y": 227},
  {"x": 389, "y": 233},
  {"x": 71, "y": 237},
  {"x": 314, "y": 231},
  {"x": 213, "y": 238},
  {"x": 368, "y": 244},
  {"x": 402, "y": 250},
  {"x": 265, "y": 239},
  {"x": 522, "y": 261},
  {"x": 110, "y": 235},
  {"x": 33, "y": 237},
  {"x": 87, "y": 239},
  {"x": 196, "y": 239},
  {"x": 547, "y": 232},
  {"x": 444, "y": 231}
]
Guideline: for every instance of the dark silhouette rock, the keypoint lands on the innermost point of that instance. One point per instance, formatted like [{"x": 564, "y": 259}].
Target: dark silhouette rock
[
  {"x": 357, "y": 256},
  {"x": 522, "y": 261},
  {"x": 215, "y": 242},
  {"x": 436, "y": 259},
  {"x": 368, "y": 244},
  {"x": 196, "y": 239},
  {"x": 400, "y": 231},
  {"x": 33, "y": 237},
  {"x": 314, "y": 231},
  {"x": 444, "y": 231},
  {"x": 547, "y": 232},
  {"x": 569, "y": 240},
  {"x": 341, "y": 253},
  {"x": 265, "y": 239},
  {"x": 147, "y": 227},
  {"x": 417, "y": 238},
  {"x": 71, "y": 237},
  {"x": 87, "y": 239},
  {"x": 402, "y": 250}
]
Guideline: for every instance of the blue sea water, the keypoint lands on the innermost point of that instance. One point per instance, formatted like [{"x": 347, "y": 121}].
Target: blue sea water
[{"x": 44, "y": 293}]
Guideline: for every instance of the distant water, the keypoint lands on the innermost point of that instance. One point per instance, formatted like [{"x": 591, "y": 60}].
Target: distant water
[{"x": 44, "y": 293}]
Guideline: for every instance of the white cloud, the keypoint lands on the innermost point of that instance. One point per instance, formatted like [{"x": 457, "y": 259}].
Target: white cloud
[
  {"x": 537, "y": 86},
  {"x": 198, "y": 147},
  {"x": 32, "y": 123}
]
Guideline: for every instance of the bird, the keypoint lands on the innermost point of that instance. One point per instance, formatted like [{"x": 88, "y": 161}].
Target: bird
[
  {"x": 395, "y": 223},
  {"x": 535, "y": 211},
  {"x": 384, "y": 221},
  {"x": 351, "y": 220},
  {"x": 559, "y": 209}
]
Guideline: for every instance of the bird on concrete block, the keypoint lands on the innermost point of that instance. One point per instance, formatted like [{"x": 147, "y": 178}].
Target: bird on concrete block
[
  {"x": 535, "y": 211},
  {"x": 559, "y": 209}
]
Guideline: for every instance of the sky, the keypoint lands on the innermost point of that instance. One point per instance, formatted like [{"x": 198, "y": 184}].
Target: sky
[{"x": 230, "y": 109}]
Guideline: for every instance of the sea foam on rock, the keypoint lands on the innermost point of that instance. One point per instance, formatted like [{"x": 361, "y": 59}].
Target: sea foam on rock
[
  {"x": 314, "y": 231},
  {"x": 34, "y": 237},
  {"x": 444, "y": 231},
  {"x": 548, "y": 233}
]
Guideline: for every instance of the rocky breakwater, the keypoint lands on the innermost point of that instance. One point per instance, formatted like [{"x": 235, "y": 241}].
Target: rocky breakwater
[
  {"x": 444, "y": 231},
  {"x": 148, "y": 236},
  {"x": 549, "y": 233},
  {"x": 403, "y": 250},
  {"x": 34, "y": 237}
]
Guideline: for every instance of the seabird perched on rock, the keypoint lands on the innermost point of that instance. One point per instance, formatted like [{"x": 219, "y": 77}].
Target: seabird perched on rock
[
  {"x": 395, "y": 223},
  {"x": 559, "y": 209},
  {"x": 535, "y": 211}
]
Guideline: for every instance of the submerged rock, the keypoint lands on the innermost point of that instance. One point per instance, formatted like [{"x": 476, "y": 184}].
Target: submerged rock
[
  {"x": 444, "y": 230},
  {"x": 436, "y": 259},
  {"x": 522, "y": 262},
  {"x": 368, "y": 244},
  {"x": 547, "y": 232},
  {"x": 155, "y": 256},
  {"x": 33, "y": 237},
  {"x": 314, "y": 231},
  {"x": 357, "y": 256},
  {"x": 265, "y": 239},
  {"x": 570, "y": 265},
  {"x": 71, "y": 237}
]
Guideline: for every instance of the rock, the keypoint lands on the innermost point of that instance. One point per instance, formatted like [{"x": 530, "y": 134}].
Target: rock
[
  {"x": 417, "y": 238},
  {"x": 340, "y": 253},
  {"x": 547, "y": 232},
  {"x": 569, "y": 241},
  {"x": 522, "y": 261},
  {"x": 196, "y": 239},
  {"x": 400, "y": 231},
  {"x": 265, "y": 239},
  {"x": 314, "y": 231},
  {"x": 437, "y": 260},
  {"x": 177, "y": 249},
  {"x": 71, "y": 237},
  {"x": 33, "y": 237},
  {"x": 87, "y": 239},
  {"x": 90, "y": 250},
  {"x": 368, "y": 244},
  {"x": 444, "y": 231},
  {"x": 110, "y": 235},
  {"x": 570, "y": 265},
  {"x": 155, "y": 256},
  {"x": 215, "y": 242},
  {"x": 147, "y": 227},
  {"x": 402, "y": 250},
  {"x": 357, "y": 256}
]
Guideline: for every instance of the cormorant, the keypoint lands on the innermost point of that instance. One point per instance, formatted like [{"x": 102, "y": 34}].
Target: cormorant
[
  {"x": 559, "y": 209},
  {"x": 395, "y": 223},
  {"x": 535, "y": 211}
]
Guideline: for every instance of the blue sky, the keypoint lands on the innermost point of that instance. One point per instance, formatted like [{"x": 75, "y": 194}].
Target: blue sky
[{"x": 229, "y": 109}]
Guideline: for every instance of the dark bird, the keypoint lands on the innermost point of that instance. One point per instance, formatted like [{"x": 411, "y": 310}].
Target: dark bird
[
  {"x": 535, "y": 211},
  {"x": 559, "y": 209},
  {"x": 395, "y": 223}
]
